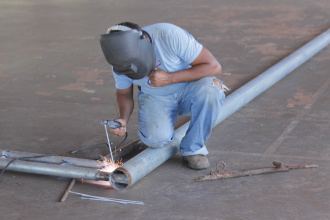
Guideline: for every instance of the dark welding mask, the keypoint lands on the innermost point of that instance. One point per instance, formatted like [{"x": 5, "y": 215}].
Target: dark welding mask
[{"x": 129, "y": 52}]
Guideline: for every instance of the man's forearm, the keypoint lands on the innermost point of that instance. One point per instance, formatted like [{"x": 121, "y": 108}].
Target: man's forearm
[
  {"x": 204, "y": 65},
  {"x": 195, "y": 73},
  {"x": 125, "y": 105}
]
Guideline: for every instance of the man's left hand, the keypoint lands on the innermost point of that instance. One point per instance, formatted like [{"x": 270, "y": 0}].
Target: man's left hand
[{"x": 159, "y": 78}]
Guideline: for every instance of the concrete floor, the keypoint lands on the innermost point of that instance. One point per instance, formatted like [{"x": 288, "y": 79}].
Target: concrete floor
[{"x": 56, "y": 86}]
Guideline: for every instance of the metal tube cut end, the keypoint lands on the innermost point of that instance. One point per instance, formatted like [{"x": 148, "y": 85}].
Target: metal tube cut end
[{"x": 119, "y": 180}]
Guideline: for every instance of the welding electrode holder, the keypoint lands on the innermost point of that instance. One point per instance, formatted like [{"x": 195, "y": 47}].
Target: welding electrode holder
[{"x": 111, "y": 123}]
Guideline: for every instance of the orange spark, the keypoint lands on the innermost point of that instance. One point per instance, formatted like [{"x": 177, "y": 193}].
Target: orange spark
[{"x": 106, "y": 164}]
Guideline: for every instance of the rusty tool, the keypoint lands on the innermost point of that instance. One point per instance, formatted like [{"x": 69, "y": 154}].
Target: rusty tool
[
  {"x": 66, "y": 193},
  {"x": 278, "y": 167}
]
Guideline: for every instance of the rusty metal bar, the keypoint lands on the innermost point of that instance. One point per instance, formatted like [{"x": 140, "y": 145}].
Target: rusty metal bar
[
  {"x": 150, "y": 159},
  {"x": 66, "y": 193},
  {"x": 278, "y": 167}
]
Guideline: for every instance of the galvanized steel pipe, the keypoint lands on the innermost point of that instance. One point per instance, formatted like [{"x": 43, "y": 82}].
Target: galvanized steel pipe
[
  {"x": 54, "y": 169},
  {"x": 52, "y": 165},
  {"x": 50, "y": 159},
  {"x": 150, "y": 159}
]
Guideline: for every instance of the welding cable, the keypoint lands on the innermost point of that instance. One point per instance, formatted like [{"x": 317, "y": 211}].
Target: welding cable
[
  {"x": 85, "y": 148},
  {"x": 126, "y": 134},
  {"x": 24, "y": 158},
  {"x": 96, "y": 145}
]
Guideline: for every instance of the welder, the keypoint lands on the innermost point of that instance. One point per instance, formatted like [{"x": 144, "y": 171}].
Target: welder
[{"x": 175, "y": 74}]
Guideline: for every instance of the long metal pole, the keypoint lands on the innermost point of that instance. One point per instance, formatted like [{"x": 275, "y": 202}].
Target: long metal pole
[
  {"x": 55, "y": 169},
  {"x": 52, "y": 165},
  {"x": 148, "y": 160},
  {"x": 50, "y": 159}
]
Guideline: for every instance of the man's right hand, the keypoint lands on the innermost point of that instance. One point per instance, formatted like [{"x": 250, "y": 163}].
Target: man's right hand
[{"x": 122, "y": 130}]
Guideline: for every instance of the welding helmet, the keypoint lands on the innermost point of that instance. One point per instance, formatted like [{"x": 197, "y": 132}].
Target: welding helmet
[{"x": 128, "y": 51}]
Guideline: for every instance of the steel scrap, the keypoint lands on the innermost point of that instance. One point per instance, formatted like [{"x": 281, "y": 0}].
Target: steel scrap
[{"x": 278, "y": 167}]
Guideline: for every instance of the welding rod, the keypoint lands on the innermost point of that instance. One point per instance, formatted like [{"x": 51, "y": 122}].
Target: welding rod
[
  {"x": 109, "y": 143},
  {"x": 86, "y": 196}
]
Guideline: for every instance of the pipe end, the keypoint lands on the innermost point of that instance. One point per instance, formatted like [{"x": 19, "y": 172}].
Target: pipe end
[{"x": 119, "y": 180}]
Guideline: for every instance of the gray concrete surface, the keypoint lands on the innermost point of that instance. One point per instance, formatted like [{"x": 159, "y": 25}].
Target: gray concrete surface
[{"x": 56, "y": 86}]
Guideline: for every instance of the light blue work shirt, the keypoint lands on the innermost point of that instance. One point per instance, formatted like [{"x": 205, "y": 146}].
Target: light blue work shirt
[{"x": 174, "y": 48}]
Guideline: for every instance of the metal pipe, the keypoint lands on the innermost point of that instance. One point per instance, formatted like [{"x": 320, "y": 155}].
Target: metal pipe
[
  {"x": 50, "y": 159},
  {"x": 54, "y": 169},
  {"x": 150, "y": 159}
]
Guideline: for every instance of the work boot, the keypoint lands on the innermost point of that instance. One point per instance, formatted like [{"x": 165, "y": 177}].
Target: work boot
[{"x": 197, "y": 162}]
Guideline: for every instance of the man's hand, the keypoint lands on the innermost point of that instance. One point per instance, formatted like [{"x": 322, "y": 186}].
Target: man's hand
[
  {"x": 159, "y": 78},
  {"x": 203, "y": 66},
  {"x": 122, "y": 130}
]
